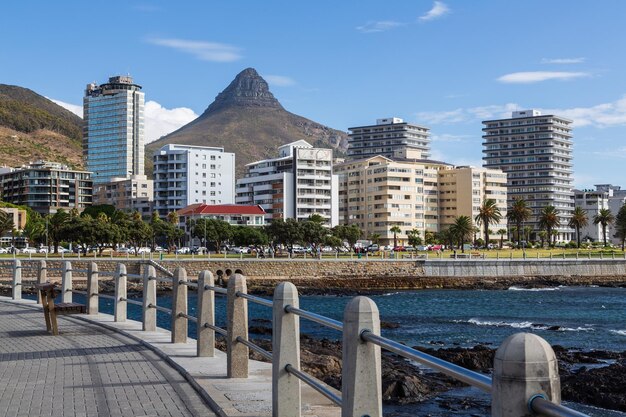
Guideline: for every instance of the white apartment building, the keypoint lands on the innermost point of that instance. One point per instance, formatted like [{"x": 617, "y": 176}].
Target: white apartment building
[
  {"x": 185, "y": 175},
  {"x": 386, "y": 137},
  {"x": 605, "y": 196},
  {"x": 535, "y": 151},
  {"x": 296, "y": 184}
]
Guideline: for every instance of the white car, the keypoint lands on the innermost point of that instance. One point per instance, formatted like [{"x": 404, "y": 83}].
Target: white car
[
  {"x": 4, "y": 250},
  {"x": 143, "y": 250},
  {"x": 29, "y": 250},
  {"x": 182, "y": 250}
]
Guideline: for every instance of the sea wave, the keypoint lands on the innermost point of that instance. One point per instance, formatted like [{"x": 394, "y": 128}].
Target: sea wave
[
  {"x": 534, "y": 289},
  {"x": 619, "y": 332},
  {"x": 525, "y": 325}
]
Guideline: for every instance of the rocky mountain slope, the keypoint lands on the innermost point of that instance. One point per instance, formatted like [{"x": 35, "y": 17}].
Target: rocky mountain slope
[
  {"x": 33, "y": 127},
  {"x": 247, "y": 119}
]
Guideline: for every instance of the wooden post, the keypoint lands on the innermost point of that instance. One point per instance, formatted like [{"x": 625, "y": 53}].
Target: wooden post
[
  {"x": 42, "y": 277},
  {"x": 237, "y": 322},
  {"x": 92, "y": 289},
  {"x": 66, "y": 282},
  {"x": 120, "y": 293},
  {"x": 206, "y": 315},
  {"x": 17, "y": 279},
  {"x": 286, "y": 394},
  {"x": 179, "y": 306},
  {"x": 149, "y": 298},
  {"x": 361, "y": 363}
]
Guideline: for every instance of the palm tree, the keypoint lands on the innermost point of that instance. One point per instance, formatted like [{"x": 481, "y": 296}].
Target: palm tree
[
  {"x": 395, "y": 230},
  {"x": 578, "y": 221},
  {"x": 375, "y": 237},
  {"x": 518, "y": 213},
  {"x": 488, "y": 213},
  {"x": 620, "y": 225},
  {"x": 6, "y": 223},
  {"x": 604, "y": 217},
  {"x": 543, "y": 236},
  {"x": 462, "y": 230},
  {"x": 548, "y": 220},
  {"x": 527, "y": 231},
  {"x": 501, "y": 232}
]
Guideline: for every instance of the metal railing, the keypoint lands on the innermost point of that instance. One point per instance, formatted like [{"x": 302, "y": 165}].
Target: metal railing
[{"x": 515, "y": 389}]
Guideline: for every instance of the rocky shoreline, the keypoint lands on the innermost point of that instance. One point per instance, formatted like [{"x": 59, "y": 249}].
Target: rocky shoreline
[{"x": 596, "y": 378}]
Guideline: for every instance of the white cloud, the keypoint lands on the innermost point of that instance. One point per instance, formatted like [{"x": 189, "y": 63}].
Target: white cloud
[
  {"x": 205, "y": 51},
  {"x": 158, "y": 120},
  {"x": 563, "y": 61},
  {"x": 438, "y": 10},
  {"x": 74, "y": 108},
  {"x": 379, "y": 26},
  {"x": 600, "y": 115},
  {"x": 279, "y": 80},
  {"x": 538, "y": 76}
]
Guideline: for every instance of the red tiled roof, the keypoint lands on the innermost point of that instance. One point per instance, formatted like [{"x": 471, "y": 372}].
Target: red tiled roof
[{"x": 200, "y": 208}]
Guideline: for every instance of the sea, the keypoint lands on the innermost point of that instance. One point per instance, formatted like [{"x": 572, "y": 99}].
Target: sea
[{"x": 578, "y": 318}]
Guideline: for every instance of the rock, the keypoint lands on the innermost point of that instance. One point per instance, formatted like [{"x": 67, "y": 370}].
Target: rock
[
  {"x": 601, "y": 387},
  {"x": 389, "y": 325}
]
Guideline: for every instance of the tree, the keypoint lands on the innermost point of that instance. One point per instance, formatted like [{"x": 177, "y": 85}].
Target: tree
[
  {"x": 620, "y": 225},
  {"x": 93, "y": 211},
  {"x": 139, "y": 232},
  {"x": 395, "y": 230},
  {"x": 518, "y": 213},
  {"x": 350, "y": 233},
  {"x": 313, "y": 232},
  {"x": 447, "y": 237},
  {"x": 527, "y": 231},
  {"x": 374, "y": 237},
  {"x": 543, "y": 235},
  {"x": 429, "y": 237},
  {"x": 216, "y": 231},
  {"x": 488, "y": 214},
  {"x": 56, "y": 223},
  {"x": 604, "y": 218},
  {"x": 548, "y": 221},
  {"x": 414, "y": 237},
  {"x": 249, "y": 235},
  {"x": 284, "y": 232},
  {"x": 578, "y": 221},
  {"x": 6, "y": 223},
  {"x": 501, "y": 232},
  {"x": 462, "y": 229}
]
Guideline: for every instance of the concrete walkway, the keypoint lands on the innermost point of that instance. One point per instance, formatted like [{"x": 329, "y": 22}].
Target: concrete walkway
[
  {"x": 22, "y": 325},
  {"x": 87, "y": 371}
]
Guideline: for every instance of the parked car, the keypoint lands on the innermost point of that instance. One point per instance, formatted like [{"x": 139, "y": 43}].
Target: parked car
[
  {"x": 144, "y": 250},
  {"x": 241, "y": 249},
  {"x": 159, "y": 249},
  {"x": 43, "y": 250},
  {"x": 183, "y": 250},
  {"x": 4, "y": 250},
  {"x": 64, "y": 250},
  {"x": 373, "y": 247},
  {"x": 436, "y": 247},
  {"x": 29, "y": 250},
  {"x": 423, "y": 247},
  {"x": 398, "y": 249}
]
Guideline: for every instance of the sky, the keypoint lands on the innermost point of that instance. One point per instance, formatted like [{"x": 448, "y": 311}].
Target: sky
[{"x": 447, "y": 65}]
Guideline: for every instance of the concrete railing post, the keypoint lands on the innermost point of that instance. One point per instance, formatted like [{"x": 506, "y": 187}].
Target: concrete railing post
[
  {"x": 179, "y": 306},
  {"x": 66, "y": 282},
  {"x": 120, "y": 292},
  {"x": 149, "y": 298},
  {"x": 286, "y": 397},
  {"x": 237, "y": 322},
  {"x": 92, "y": 288},
  {"x": 42, "y": 277},
  {"x": 206, "y": 315},
  {"x": 525, "y": 367},
  {"x": 17, "y": 280},
  {"x": 361, "y": 390}
]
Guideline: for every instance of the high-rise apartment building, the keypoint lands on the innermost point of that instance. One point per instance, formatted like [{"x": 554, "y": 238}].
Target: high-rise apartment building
[
  {"x": 387, "y": 136},
  {"x": 185, "y": 175},
  {"x": 46, "y": 187},
  {"x": 297, "y": 184},
  {"x": 535, "y": 151},
  {"x": 113, "y": 131},
  {"x": 410, "y": 192}
]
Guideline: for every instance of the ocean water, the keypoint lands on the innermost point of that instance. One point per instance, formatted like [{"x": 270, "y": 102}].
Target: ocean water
[{"x": 575, "y": 317}]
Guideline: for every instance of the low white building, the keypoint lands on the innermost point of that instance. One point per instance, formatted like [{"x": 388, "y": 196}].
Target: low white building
[
  {"x": 298, "y": 183},
  {"x": 185, "y": 175},
  {"x": 592, "y": 201}
]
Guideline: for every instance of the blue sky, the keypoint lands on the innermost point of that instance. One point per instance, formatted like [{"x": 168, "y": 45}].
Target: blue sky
[{"x": 445, "y": 64}]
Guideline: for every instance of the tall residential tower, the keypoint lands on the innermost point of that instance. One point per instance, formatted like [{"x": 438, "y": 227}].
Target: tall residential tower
[
  {"x": 113, "y": 131},
  {"x": 535, "y": 151}
]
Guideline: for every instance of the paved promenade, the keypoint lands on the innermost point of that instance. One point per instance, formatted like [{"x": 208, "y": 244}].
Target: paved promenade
[{"x": 87, "y": 371}]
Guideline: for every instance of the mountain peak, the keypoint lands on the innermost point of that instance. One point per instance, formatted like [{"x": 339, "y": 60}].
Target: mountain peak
[{"x": 248, "y": 89}]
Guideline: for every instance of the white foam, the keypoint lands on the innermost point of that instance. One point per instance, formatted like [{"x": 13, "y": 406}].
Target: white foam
[
  {"x": 619, "y": 332},
  {"x": 525, "y": 325},
  {"x": 533, "y": 289}
]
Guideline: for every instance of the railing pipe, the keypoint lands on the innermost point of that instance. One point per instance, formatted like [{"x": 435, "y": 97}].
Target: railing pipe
[
  {"x": 315, "y": 384},
  {"x": 475, "y": 379},
  {"x": 159, "y": 308},
  {"x": 206, "y": 315},
  {"x": 42, "y": 277},
  {"x": 120, "y": 307},
  {"x": 179, "y": 305},
  {"x": 256, "y": 300},
  {"x": 538, "y": 404},
  {"x": 267, "y": 355},
  {"x": 361, "y": 379},
  {"x": 66, "y": 282},
  {"x": 237, "y": 319},
  {"x": 149, "y": 297},
  {"x": 216, "y": 329},
  {"x": 17, "y": 280},
  {"x": 92, "y": 289},
  {"x": 286, "y": 392},
  {"x": 215, "y": 289},
  {"x": 325, "y": 321}
]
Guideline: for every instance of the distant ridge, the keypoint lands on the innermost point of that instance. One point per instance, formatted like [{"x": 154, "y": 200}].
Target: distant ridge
[
  {"x": 33, "y": 127},
  {"x": 247, "y": 119}
]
